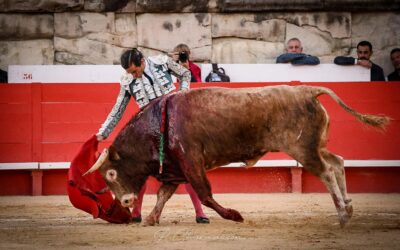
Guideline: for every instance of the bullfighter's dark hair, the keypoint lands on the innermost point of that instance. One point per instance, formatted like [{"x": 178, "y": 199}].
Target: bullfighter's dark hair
[
  {"x": 131, "y": 56},
  {"x": 394, "y": 51},
  {"x": 365, "y": 43}
]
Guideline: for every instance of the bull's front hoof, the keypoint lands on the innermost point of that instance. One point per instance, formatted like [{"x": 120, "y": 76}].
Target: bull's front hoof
[
  {"x": 234, "y": 215},
  {"x": 150, "y": 221}
]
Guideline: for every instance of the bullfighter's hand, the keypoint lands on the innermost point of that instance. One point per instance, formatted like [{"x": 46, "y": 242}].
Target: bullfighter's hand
[
  {"x": 100, "y": 137},
  {"x": 185, "y": 64}
]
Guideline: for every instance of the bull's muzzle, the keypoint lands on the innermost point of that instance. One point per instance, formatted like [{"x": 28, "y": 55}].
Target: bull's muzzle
[{"x": 99, "y": 162}]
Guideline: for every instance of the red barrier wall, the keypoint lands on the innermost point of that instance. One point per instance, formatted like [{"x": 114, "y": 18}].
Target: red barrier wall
[
  {"x": 49, "y": 122},
  {"x": 15, "y": 182}
]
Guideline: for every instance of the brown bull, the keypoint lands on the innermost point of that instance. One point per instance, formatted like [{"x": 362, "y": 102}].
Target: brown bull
[{"x": 210, "y": 127}]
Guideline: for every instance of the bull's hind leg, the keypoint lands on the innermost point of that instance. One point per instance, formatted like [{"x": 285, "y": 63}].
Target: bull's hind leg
[
  {"x": 329, "y": 179},
  {"x": 319, "y": 167},
  {"x": 164, "y": 193},
  {"x": 338, "y": 166}
]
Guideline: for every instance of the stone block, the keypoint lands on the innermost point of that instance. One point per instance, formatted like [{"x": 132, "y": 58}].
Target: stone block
[
  {"x": 268, "y": 5},
  {"x": 27, "y": 52},
  {"x": 26, "y": 26},
  {"x": 125, "y": 23},
  {"x": 234, "y": 50},
  {"x": 361, "y": 5},
  {"x": 86, "y": 51},
  {"x": 316, "y": 42},
  {"x": 110, "y": 28},
  {"x": 306, "y": 5},
  {"x": 41, "y": 5},
  {"x": 338, "y": 24},
  {"x": 171, "y": 6},
  {"x": 78, "y": 24},
  {"x": 381, "y": 29},
  {"x": 110, "y": 6},
  {"x": 163, "y": 32},
  {"x": 248, "y": 26}
]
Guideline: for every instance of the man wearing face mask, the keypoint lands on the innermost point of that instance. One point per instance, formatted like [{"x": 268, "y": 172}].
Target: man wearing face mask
[{"x": 364, "y": 53}]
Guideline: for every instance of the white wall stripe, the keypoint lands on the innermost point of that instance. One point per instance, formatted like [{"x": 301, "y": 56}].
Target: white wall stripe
[
  {"x": 54, "y": 165},
  {"x": 261, "y": 163},
  {"x": 19, "y": 165},
  {"x": 347, "y": 163},
  {"x": 372, "y": 163},
  {"x": 267, "y": 163}
]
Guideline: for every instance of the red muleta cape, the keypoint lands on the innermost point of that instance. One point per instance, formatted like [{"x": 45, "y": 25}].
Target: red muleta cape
[{"x": 82, "y": 189}]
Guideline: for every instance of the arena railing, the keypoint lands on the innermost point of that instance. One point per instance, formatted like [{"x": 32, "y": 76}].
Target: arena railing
[{"x": 43, "y": 126}]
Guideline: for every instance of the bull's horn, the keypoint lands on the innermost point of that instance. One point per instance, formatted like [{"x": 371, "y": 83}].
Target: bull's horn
[{"x": 98, "y": 163}]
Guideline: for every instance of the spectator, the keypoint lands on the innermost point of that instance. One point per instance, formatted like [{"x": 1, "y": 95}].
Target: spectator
[
  {"x": 395, "y": 57},
  {"x": 364, "y": 53},
  {"x": 294, "y": 54},
  {"x": 145, "y": 80},
  {"x": 3, "y": 76},
  {"x": 181, "y": 54}
]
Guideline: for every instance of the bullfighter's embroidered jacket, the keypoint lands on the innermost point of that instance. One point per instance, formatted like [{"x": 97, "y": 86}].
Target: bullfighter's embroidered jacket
[{"x": 155, "y": 82}]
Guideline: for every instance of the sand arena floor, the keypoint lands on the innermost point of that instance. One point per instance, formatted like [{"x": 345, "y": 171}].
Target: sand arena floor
[{"x": 272, "y": 221}]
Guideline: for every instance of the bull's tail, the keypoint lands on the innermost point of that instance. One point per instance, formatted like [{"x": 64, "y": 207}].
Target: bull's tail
[{"x": 372, "y": 120}]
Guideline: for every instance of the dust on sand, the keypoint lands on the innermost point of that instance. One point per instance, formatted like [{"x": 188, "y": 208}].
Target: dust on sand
[{"x": 272, "y": 221}]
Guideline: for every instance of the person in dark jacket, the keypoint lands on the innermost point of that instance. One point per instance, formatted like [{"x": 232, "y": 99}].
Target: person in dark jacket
[
  {"x": 294, "y": 54},
  {"x": 364, "y": 53},
  {"x": 395, "y": 57},
  {"x": 3, "y": 76}
]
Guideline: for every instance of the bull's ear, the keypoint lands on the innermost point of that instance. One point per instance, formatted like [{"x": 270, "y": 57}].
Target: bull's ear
[{"x": 113, "y": 155}]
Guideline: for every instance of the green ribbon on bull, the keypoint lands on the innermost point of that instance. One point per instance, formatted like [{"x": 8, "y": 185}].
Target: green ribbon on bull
[
  {"x": 161, "y": 153},
  {"x": 162, "y": 130}
]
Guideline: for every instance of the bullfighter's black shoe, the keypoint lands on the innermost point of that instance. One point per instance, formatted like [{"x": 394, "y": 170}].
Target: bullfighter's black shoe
[
  {"x": 136, "y": 219},
  {"x": 202, "y": 220}
]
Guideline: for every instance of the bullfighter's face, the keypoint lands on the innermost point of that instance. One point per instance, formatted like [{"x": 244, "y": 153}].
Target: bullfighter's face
[
  {"x": 136, "y": 71},
  {"x": 113, "y": 170}
]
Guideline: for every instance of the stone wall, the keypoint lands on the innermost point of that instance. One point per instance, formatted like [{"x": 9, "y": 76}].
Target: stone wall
[{"x": 223, "y": 31}]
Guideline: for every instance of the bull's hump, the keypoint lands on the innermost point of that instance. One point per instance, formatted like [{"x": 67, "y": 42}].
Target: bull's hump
[{"x": 220, "y": 91}]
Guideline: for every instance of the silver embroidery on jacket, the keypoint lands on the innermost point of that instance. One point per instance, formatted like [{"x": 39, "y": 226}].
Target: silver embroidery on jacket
[{"x": 116, "y": 113}]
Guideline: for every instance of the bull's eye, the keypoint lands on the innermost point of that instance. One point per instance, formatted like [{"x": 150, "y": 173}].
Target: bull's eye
[{"x": 111, "y": 175}]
